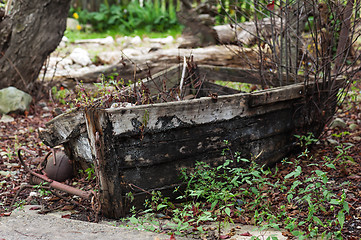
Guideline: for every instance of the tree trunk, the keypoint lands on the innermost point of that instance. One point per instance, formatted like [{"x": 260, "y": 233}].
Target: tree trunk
[{"x": 27, "y": 37}]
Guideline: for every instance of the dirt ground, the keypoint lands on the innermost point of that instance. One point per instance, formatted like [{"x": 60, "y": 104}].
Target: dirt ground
[{"x": 27, "y": 224}]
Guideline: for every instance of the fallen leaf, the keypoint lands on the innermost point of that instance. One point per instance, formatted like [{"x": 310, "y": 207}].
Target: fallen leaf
[
  {"x": 246, "y": 234},
  {"x": 6, "y": 214},
  {"x": 53, "y": 199},
  {"x": 67, "y": 207},
  {"x": 271, "y": 6},
  {"x": 354, "y": 177},
  {"x": 35, "y": 208},
  {"x": 287, "y": 234},
  {"x": 224, "y": 236}
]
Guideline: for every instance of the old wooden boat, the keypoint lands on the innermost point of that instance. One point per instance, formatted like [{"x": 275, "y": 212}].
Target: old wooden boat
[{"x": 142, "y": 148}]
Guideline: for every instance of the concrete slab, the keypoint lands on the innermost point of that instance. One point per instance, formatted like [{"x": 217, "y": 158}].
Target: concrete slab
[{"x": 26, "y": 224}]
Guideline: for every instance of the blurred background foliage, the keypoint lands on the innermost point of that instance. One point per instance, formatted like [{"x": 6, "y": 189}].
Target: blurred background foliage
[{"x": 127, "y": 16}]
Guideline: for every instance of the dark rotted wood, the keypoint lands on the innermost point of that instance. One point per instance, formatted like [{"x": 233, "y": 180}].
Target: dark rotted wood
[
  {"x": 63, "y": 128},
  {"x": 69, "y": 129},
  {"x": 145, "y": 146},
  {"x": 155, "y": 161},
  {"x": 150, "y": 153},
  {"x": 112, "y": 204}
]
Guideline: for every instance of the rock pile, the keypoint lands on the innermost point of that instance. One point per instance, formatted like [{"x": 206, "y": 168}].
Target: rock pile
[{"x": 72, "y": 60}]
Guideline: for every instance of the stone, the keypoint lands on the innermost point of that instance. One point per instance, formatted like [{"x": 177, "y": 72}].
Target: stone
[
  {"x": 108, "y": 40},
  {"x": 109, "y": 57},
  {"x": 64, "y": 42},
  {"x": 356, "y": 138},
  {"x": 65, "y": 39},
  {"x": 104, "y": 41},
  {"x": 81, "y": 57},
  {"x": 165, "y": 41},
  {"x": 114, "y": 57},
  {"x": 136, "y": 40},
  {"x": 65, "y": 62},
  {"x": 6, "y": 118},
  {"x": 42, "y": 104},
  {"x": 353, "y": 126},
  {"x": 59, "y": 63},
  {"x": 14, "y": 100},
  {"x": 338, "y": 123},
  {"x": 71, "y": 24},
  {"x": 332, "y": 141}
]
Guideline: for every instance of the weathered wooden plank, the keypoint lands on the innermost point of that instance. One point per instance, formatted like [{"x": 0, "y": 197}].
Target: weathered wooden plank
[
  {"x": 168, "y": 78},
  {"x": 285, "y": 93},
  {"x": 63, "y": 128},
  {"x": 220, "y": 73},
  {"x": 152, "y": 159},
  {"x": 251, "y": 76},
  {"x": 204, "y": 110},
  {"x": 276, "y": 95},
  {"x": 69, "y": 127}
]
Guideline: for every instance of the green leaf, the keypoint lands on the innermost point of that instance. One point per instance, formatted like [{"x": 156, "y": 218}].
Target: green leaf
[
  {"x": 290, "y": 226},
  {"x": 227, "y": 210},
  {"x": 133, "y": 220},
  {"x": 289, "y": 197},
  {"x": 319, "y": 173},
  {"x": 161, "y": 206},
  {"x": 346, "y": 207},
  {"x": 341, "y": 218},
  {"x": 301, "y": 223},
  {"x": 330, "y": 165},
  {"x": 295, "y": 173},
  {"x": 297, "y": 233},
  {"x": 317, "y": 220},
  {"x": 214, "y": 204},
  {"x": 335, "y": 201}
]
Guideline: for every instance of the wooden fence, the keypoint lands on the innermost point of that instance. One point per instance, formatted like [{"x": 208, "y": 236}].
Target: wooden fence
[
  {"x": 227, "y": 8},
  {"x": 93, "y": 5}
]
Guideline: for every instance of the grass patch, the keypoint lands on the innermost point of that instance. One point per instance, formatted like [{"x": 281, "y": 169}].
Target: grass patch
[{"x": 76, "y": 35}]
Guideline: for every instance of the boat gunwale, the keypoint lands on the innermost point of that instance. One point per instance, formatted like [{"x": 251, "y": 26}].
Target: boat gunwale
[{"x": 297, "y": 87}]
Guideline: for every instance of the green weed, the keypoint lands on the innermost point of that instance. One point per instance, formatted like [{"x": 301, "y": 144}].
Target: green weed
[
  {"x": 20, "y": 204},
  {"x": 61, "y": 94},
  {"x": 41, "y": 190},
  {"x": 90, "y": 173},
  {"x": 241, "y": 187}
]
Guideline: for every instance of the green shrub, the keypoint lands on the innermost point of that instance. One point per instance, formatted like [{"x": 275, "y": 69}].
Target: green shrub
[{"x": 150, "y": 17}]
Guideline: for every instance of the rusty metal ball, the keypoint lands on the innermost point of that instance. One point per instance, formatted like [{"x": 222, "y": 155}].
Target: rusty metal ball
[{"x": 62, "y": 170}]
